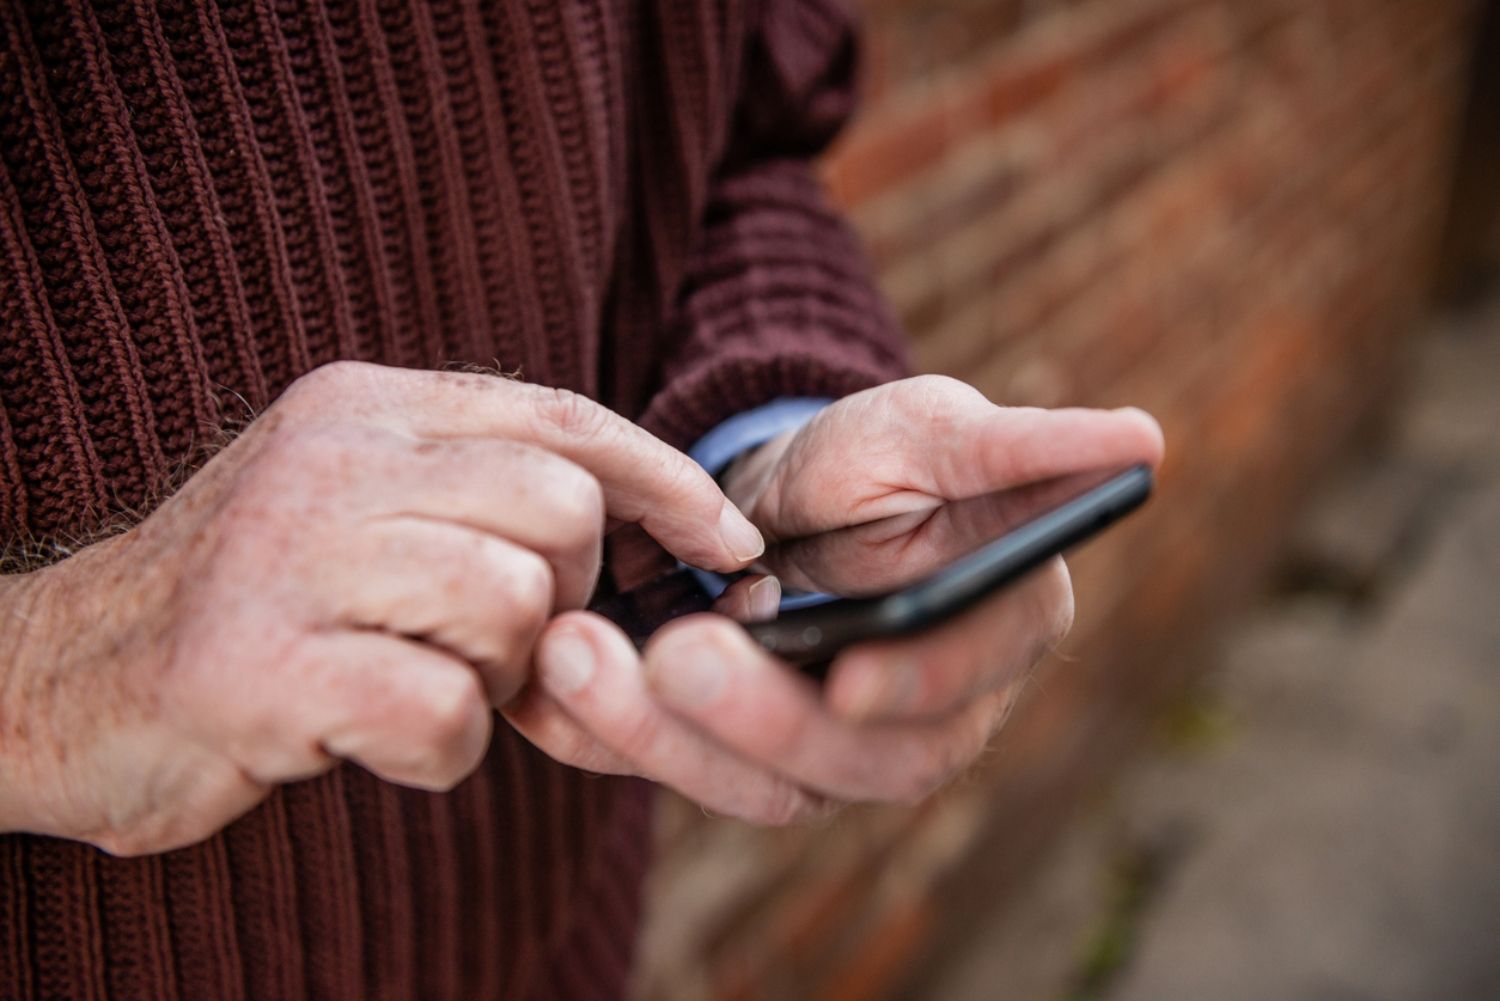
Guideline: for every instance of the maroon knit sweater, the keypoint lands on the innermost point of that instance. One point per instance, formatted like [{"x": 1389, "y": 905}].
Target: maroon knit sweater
[{"x": 202, "y": 201}]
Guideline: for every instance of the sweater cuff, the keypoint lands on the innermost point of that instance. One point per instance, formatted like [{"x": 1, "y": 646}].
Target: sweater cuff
[{"x": 699, "y": 400}]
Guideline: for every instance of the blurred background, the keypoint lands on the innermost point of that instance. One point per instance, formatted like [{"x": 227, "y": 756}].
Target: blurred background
[{"x": 1267, "y": 763}]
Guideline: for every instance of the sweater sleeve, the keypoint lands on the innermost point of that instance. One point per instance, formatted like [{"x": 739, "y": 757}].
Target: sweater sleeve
[{"x": 778, "y": 298}]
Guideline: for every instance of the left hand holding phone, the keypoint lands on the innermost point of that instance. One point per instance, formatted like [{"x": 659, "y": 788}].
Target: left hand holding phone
[{"x": 704, "y": 710}]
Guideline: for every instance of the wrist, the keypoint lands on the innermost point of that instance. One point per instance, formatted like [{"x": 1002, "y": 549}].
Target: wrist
[
  {"x": 50, "y": 628},
  {"x": 22, "y": 619}
]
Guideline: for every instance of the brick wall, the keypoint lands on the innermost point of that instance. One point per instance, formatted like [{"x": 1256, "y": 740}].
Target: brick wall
[{"x": 1221, "y": 210}]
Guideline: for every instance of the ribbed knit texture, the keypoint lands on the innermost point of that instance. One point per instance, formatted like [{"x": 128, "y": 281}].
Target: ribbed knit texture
[{"x": 203, "y": 201}]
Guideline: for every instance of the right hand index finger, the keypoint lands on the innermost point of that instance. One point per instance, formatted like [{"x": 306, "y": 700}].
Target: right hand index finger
[{"x": 645, "y": 480}]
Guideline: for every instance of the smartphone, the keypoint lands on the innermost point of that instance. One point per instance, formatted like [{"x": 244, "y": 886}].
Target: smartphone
[{"x": 894, "y": 576}]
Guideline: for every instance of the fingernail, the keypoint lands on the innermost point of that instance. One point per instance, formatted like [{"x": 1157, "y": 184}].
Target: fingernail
[
  {"x": 742, "y": 538},
  {"x": 1137, "y": 412},
  {"x": 691, "y": 678},
  {"x": 886, "y": 690},
  {"x": 765, "y": 599},
  {"x": 567, "y": 662}
]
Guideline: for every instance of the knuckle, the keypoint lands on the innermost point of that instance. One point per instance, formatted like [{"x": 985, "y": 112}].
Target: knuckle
[
  {"x": 933, "y": 389},
  {"x": 123, "y": 844},
  {"x": 573, "y": 414},
  {"x": 510, "y": 597},
  {"x": 687, "y": 485},
  {"x": 439, "y": 769},
  {"x": 784, "y": 805},
  {"x": 529, "y": 586},
  {"x": 578, "y": 504},
  {"x": 340, "y": 373},
  {"x": 153, "y": 834},
  {"x": 936, "y": 383},
  {"x": 446, "y": 775},
  {"x": 448, "y": 707},
  {"x": 328, "y": 382}
]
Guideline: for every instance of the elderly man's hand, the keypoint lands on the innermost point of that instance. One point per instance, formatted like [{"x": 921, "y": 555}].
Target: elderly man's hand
[
  {"x": 361, "y": 575},
  {"x": 708, "y": 712}
]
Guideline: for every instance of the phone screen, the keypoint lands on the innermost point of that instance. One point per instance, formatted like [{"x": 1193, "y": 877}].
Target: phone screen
[{"x": 868, "y": 561}]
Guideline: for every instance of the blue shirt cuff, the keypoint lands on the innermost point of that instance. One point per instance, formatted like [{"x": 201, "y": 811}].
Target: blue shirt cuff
[
  {"x": 751, "y": 429},
  {"x": 738, "y": 435}
]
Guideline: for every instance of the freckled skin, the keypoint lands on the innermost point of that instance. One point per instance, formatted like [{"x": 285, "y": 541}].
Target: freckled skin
[
  {"x": 385, "y": 556},
  {"x": 344, "y": 580}
]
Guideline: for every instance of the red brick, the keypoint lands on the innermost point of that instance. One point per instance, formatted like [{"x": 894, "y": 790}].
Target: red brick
[
  {"x": 1223, "y": 211},
  {"x": 897, "y": 936}
]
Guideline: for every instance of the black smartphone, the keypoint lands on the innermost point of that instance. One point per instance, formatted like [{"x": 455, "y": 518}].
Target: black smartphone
[{"x": 894, "y": 576}]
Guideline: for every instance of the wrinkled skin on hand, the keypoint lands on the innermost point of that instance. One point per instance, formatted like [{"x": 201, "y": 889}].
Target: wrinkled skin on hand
[
  {"x": 362, "y": 575},
  {"x": 705, "y": 710}
]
